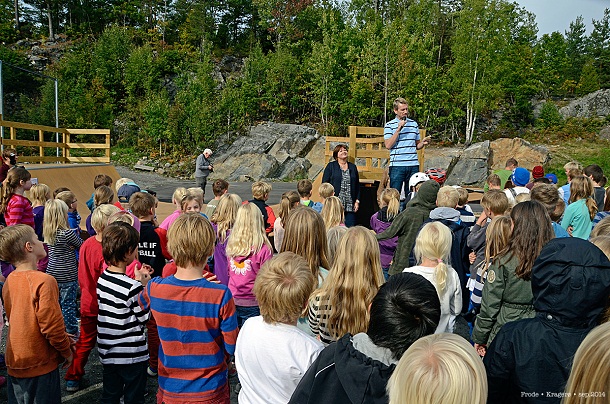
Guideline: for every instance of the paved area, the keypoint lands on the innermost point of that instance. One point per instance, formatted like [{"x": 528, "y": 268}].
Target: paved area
[{"x": 165, "y": 186}]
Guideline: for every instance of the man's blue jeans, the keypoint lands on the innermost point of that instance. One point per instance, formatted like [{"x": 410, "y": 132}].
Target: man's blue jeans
[{"x": 400, "y": 175}]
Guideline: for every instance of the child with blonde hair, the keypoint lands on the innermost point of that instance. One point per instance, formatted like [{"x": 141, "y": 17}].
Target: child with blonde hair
[
  {"x": 341, "y": 305},
  {"x": 90, "y": 267},
  {"x": 190, "y": 204},
  {"x": 197, "y": 193},
  {"x": 37, "y": 341},
  {"x": 380, "y": 221},
  {"x": 222, "y": 221},
  {"x": 271, "y": 353},
  {"x": 290, "y": 200},
  {"x": 62, "y": 242},
  {"x": 572, "y": 169},
  {"x": 39, "y": 195},
  {"x": 177, "y": 198},
  {"x": 247, "y": 249},
  {"x": 432, "y": 251},
  {"x": 497, "y": 236},
  {"x": 333, "y": 236},
  {"x": 260, "y": 194},
  {"x": 15, "y": 207},
  {"x": 102, "y": 195},
  {"x": 196, "y": 319},
  {"x": 73, "y": 216},
  {"x": 306, "y": 236},
  {"x": 333, "y": 212},
  {"x": 581, "y": 208},
  {"x": 439, "y": 368},
  {"x": 326, "y": 190}
]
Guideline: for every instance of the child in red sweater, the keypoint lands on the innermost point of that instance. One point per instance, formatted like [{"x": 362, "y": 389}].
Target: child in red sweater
[
  {"x": 90, "y": 267},
  {"x": 37, "y": 341},
  {"x": 17, "y": 209}
]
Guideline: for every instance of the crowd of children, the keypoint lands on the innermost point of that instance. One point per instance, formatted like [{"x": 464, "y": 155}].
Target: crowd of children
[{"x": 304, "y": 309}]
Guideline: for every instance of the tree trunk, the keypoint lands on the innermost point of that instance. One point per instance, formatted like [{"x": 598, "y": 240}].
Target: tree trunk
[
  {"x": 17, "y": 23},
  {"x": 51, "y": 34}
]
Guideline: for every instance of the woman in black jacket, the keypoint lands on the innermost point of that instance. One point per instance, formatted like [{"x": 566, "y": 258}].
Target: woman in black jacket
[{"x": 343, "y": 176}]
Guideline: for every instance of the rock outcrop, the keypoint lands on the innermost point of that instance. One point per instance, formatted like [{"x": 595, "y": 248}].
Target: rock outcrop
[
  {"x": 270, "y": 150},
  {"x": 274, "y": 151},
  {"x": 592, "y": 105}
]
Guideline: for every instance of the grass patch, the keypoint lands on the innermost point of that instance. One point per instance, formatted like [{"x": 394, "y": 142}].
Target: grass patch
[{"x": 583, "y": 151}]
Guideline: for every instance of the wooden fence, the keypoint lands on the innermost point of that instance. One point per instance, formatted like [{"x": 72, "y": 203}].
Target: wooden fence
[
  {"x": 367, "y": 143},
  {"x": 66, "y": 144}
]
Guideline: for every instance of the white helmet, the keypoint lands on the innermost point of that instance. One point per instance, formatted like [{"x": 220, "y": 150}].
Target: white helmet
[{"x": 417, "y": 178}]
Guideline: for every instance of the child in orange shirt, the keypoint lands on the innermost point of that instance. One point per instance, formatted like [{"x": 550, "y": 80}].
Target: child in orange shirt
[{"x": 37, "y": 341}]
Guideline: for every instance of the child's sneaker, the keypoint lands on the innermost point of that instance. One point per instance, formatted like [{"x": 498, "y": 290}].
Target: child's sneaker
[
  {"x": 151, "y": 372},
  {"x": 72, "y": 386}
]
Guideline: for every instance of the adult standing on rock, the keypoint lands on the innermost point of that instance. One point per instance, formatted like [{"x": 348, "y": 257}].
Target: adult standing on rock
[
  {"x": 203, "y": 168},
  {"x": 343, "y": 176},
  {"x": 401, "y": 137}
]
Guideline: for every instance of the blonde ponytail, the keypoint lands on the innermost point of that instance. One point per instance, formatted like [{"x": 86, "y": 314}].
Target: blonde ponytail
[
  {"x": 434, "y": 243},
  {"x": 391, "y": 198},
  {"x": 440, "y": 277}
]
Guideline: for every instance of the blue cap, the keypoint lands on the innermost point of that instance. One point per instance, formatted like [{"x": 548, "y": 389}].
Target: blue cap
[
  {"x": 520, "y": 177},
  {"x": 552, "y": 177}
]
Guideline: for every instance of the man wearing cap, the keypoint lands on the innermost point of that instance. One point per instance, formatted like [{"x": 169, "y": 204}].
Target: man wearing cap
[
  {"x": 401, "y": 137},
  {"x": 203, "y": 168}
]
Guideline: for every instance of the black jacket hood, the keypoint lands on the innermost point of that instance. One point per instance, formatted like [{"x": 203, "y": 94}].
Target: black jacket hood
[{"x": 571, "y": 282}]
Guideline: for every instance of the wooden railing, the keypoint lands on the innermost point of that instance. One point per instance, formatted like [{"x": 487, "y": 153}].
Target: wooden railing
[
  {"x": 367, "y": 143},
  {"x": 66, "y": 143}
]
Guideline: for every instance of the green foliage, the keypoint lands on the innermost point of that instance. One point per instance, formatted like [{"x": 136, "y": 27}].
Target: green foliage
[
  {"x": 150, "y": 69},
  {"x": 549, "y": 116},
  {"x": 589, "y": 79}
]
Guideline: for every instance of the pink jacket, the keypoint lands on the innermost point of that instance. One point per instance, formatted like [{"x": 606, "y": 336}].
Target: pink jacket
[{"x": 242, "y": 274}]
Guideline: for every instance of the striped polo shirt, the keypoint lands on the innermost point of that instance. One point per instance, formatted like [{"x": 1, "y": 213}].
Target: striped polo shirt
[
  {"x": 197, "y": 327},
  {"x": 121, "y": 321},
  {"x": 403, "y": 153}
]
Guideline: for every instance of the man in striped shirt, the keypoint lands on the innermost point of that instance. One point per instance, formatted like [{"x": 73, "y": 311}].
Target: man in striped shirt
[
  {"x": 195, "y": 318},
  {"x": 121, "y": 338},
  {"x": 401, "y": 137}
]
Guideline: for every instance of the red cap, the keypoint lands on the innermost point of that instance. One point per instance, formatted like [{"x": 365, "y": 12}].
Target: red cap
[{"x": 538, "y": 172}]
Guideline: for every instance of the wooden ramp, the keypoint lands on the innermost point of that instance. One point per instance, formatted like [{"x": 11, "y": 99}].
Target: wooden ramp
[{"x": 79, "y": 179}]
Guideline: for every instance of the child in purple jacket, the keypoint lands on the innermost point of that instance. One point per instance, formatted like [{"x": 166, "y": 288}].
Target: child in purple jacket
[{"x": 381, "y": 220}]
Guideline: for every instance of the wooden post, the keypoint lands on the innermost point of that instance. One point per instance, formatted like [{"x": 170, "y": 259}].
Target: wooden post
[
  {"x": 108, "y": 146},
  {"x": 353, "y": 132},
  {"x": 66, "y": 147},
  {"x": 420, "y": 152},
  {"x": 40, "y": 148}
]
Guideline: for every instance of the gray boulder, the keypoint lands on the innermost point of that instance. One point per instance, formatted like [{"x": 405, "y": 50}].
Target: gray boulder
[
  {"x": 269, "y": 150},
  {"x": 596, "y": 104},
  {"x": 468, "y": 172}
]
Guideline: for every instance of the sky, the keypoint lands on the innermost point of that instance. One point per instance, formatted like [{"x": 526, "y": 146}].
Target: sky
[{"x": 556, "y": 15}]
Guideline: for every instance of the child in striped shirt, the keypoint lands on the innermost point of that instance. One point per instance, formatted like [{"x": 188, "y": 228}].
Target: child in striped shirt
[
  {"x": 121, "y": 338},
  {"x": 195, "y": 318},
  {"x": 62, "y": 265}
]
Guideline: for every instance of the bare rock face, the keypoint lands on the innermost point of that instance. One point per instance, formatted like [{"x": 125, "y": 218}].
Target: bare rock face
[
  {"x": 592, "y": 105},
  {"x": 524, "y": 152},
  {"x": 472, "y": 168},
  {"x": 270, "y": 151}
]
